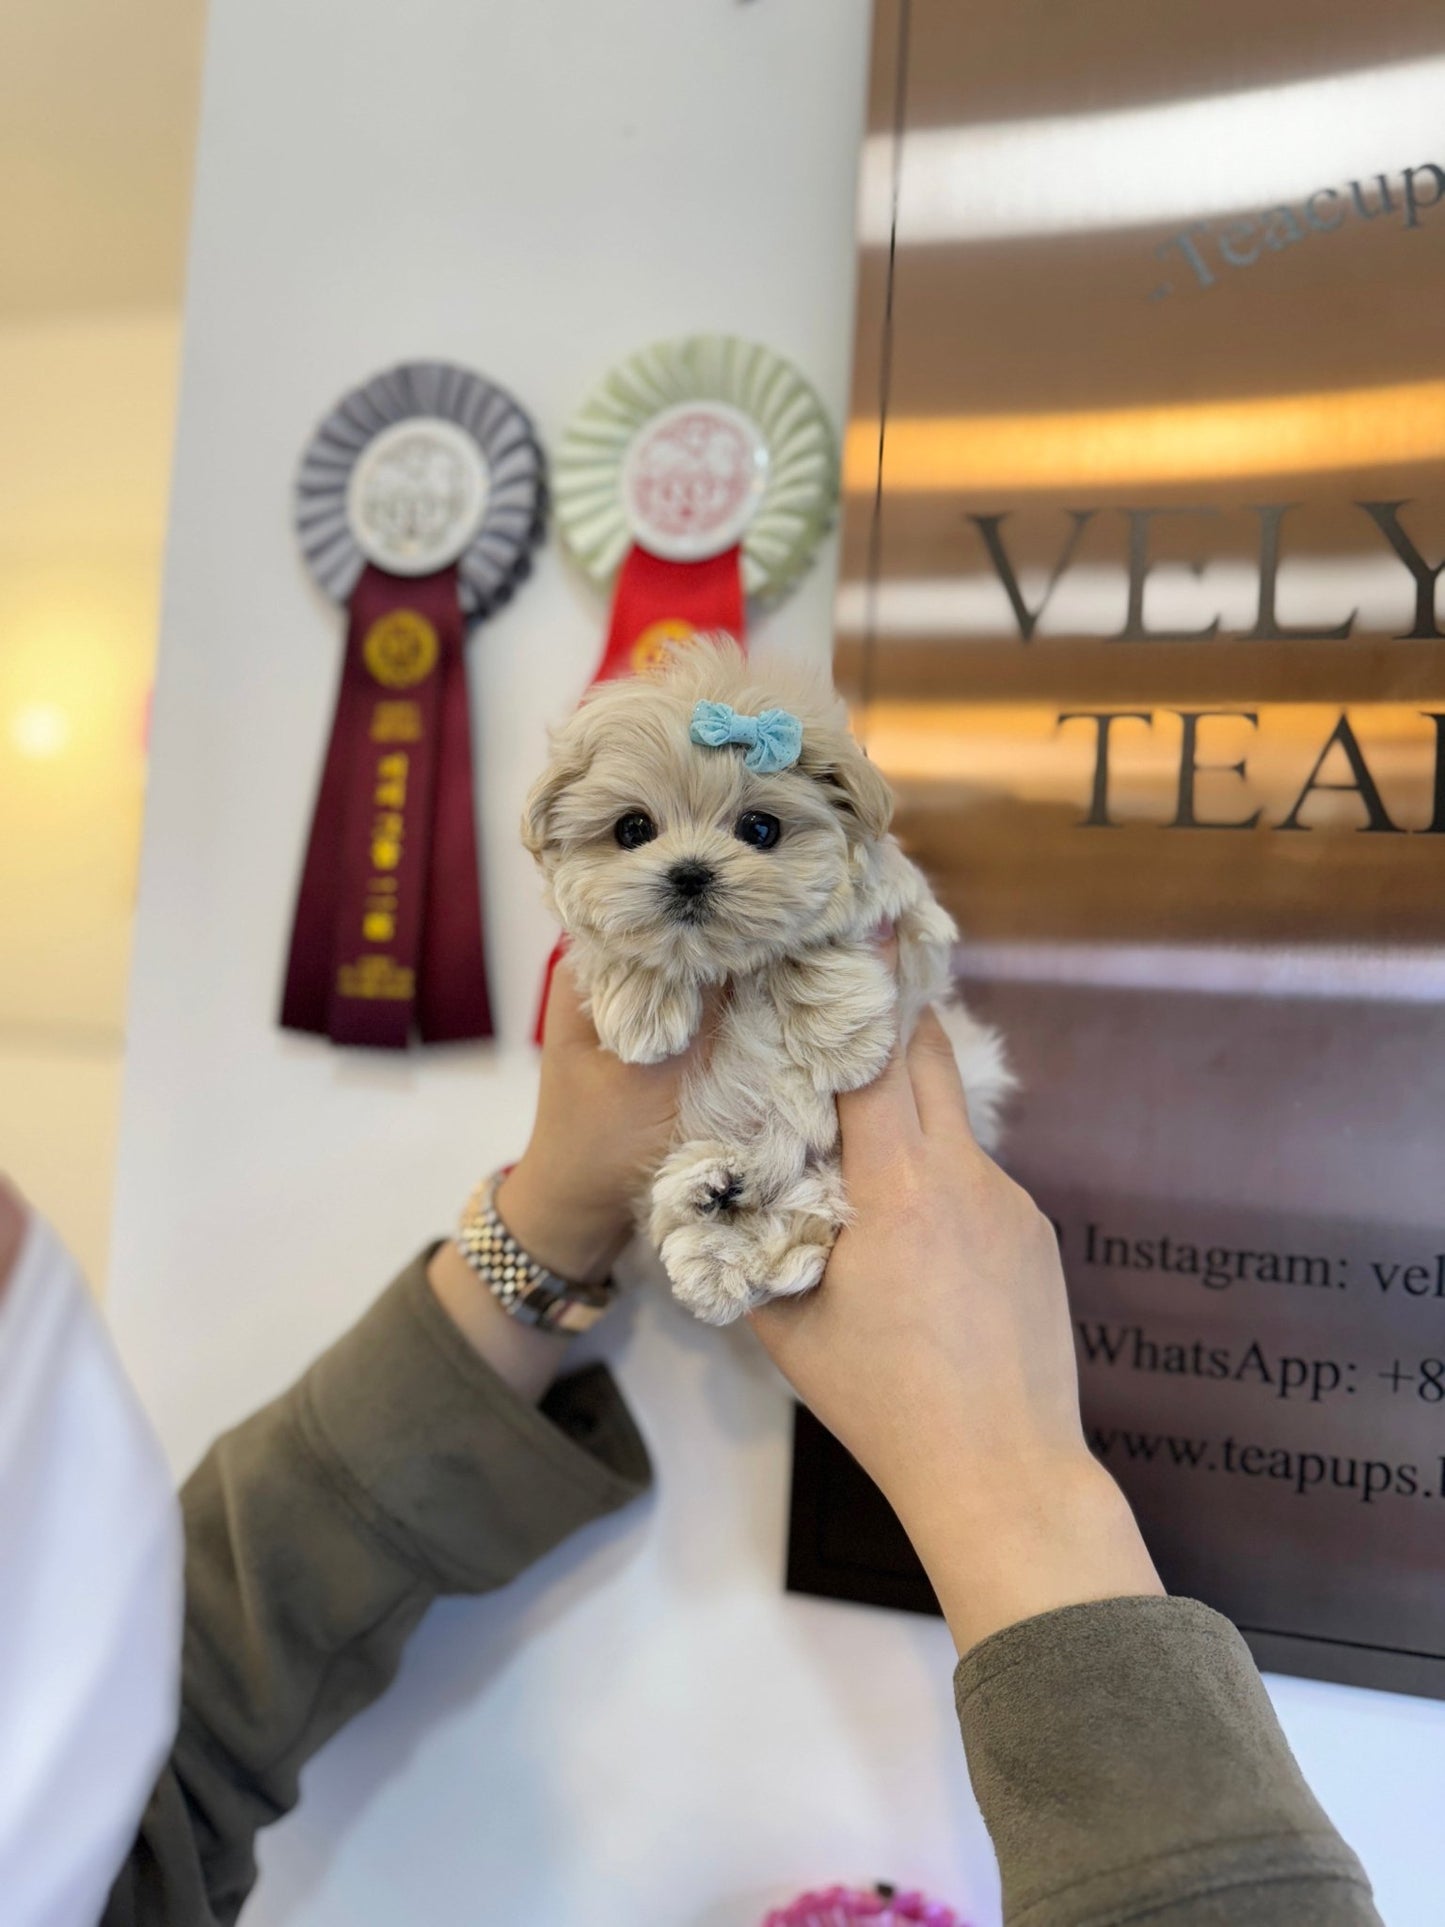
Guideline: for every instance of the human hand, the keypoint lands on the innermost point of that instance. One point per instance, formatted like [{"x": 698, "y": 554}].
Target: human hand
[
  {"x": 601, "y": 1128},
  {"x": 938, "y": 1349},
  {"x": 600, "y": 1131}
]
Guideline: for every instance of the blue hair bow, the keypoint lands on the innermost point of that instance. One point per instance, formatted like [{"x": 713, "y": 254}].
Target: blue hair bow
[{"x": 774, "y": 738}]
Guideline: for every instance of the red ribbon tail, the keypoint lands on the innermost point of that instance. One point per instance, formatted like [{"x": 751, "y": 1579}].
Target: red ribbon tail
[
  {"x": 657, "y": 602},
  {"x": 559, "y": 951}
]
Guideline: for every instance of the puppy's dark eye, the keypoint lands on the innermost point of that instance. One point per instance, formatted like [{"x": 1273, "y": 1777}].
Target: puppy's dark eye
[
  {"x": 757, "y": 829},
  {"x": 634, "y": 829}
]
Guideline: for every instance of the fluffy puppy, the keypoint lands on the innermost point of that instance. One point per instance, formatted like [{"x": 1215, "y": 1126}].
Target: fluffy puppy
[{"x": 680, "y": 856}]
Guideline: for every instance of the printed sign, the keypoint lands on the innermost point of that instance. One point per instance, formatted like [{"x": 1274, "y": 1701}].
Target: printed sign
[{"x": 1140, "y": 612}]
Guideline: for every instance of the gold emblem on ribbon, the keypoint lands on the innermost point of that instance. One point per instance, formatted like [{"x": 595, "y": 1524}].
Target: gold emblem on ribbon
[
  {"x": 377, "y": 979},
  {"x": 650, "y": 647},
  {"x": 396, "y": 723},
  {"x": 400, "y": 649}
]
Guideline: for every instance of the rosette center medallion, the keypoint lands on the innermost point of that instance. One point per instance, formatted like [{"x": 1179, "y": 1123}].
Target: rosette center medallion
[{"x": 692, "y": 480}]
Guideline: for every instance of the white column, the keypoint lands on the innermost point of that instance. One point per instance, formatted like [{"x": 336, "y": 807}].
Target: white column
[{"x": 645, "y": 1732}]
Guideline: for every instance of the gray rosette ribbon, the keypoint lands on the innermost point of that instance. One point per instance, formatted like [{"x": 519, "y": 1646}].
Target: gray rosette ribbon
[{"x": 419, "y": 501}]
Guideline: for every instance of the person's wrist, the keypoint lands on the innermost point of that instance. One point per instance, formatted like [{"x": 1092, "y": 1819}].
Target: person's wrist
[
  {"x": 573, "y": 1232},
  {"x": 526, "y": 1357},
  {"x": 1005, "y": 1544}
]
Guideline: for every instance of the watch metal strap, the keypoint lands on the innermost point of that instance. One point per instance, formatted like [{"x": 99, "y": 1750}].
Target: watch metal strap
[{"x": 525, "y": 1289}]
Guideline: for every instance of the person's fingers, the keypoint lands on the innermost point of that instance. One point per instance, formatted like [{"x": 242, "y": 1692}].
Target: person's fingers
[
  {"x": 937, "y": 1086},
  {"x": 567, "y": 1023},
  {"x": 780, "y": 1326},
  {"x": 874, "y": 1122},
  {"x": 767, "y": 1327}
]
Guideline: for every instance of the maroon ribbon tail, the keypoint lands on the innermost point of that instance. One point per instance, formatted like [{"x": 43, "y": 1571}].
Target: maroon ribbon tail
[
  {"x": 388, "y": 917},
  {"x": 452, "y": 1002},
  {"x": 306, "y": 998}
]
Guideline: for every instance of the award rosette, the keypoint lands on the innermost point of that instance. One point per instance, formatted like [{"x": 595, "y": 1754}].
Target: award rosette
[
  {"x": 418, "y": 503},
  {"x": 700, "y": 475}
]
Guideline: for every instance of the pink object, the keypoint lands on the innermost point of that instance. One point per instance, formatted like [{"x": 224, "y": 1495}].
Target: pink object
[{"x": 882, "y": 1906}]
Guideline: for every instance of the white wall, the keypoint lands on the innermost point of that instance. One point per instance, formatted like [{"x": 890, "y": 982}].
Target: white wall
[{"x": 645, "y": 1732}]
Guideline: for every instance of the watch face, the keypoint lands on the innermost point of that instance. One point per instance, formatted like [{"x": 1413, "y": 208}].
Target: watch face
[
  {"x": 692, "y": 479},
  {"x": 417, "y": 495}
]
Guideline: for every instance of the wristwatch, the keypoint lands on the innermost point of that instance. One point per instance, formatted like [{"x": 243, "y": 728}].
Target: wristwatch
[{"x": 524, "y": 1289}]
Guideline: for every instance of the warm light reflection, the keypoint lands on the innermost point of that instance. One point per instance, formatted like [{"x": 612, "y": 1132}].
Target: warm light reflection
[
  {"x": 1196, "y": 441},
  {"x": 76, "y": 647},
  {"x": 87, "y": 401},
  {"x": 39, "y": 730},
  {"x": 1171, "y": 160}
]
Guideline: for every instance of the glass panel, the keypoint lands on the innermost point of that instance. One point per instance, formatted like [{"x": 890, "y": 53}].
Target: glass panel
[{"x": 1139, "y": 613}]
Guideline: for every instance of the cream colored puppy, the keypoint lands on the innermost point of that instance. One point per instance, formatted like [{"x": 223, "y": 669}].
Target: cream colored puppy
[{"x": 717, "y": 825}]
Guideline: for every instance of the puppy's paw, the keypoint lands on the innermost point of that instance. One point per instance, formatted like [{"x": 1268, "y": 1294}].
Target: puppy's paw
[
  {"x": 699, "y": 1181},
  {"x": 722, "y": 1265},
  {"x": 642, "y": 1018},
  {"x": 720, "y": 1271},
  {"x": 708, "y": 1267},
  {"x": 800, "y": 1268},
  {"x": 836, "y": 1009}
]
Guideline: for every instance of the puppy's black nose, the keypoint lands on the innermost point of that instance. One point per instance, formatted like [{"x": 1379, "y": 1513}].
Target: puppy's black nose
[{"x": 690, "y": 879}]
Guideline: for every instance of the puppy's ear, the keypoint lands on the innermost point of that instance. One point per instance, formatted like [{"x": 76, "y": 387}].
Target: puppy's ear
[
  {"x": 833, "y": 758},
  {"x": 568, "y": 762}
]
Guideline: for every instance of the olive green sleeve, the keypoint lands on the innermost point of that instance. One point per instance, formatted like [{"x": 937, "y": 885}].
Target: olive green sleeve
[
  {"x": 400, "y": 1467},
  {"x": 1129, "y": 1767}
]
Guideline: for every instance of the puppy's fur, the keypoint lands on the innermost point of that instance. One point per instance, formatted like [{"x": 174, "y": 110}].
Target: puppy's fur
[{"x": 748, "y": 1203}]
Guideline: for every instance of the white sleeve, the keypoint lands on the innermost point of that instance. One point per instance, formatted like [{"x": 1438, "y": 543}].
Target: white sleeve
[{"x": 90, "y": 1598}]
